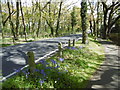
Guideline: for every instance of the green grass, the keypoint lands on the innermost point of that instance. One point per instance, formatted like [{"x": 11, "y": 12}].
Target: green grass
[
  {"x": 7, "y": 40},
  {"x": 74, "y": 72},
  {"x": 4, "y": 42}
]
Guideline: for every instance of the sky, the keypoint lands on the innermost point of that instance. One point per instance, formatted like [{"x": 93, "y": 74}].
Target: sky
[
  {"x": 76, "y": 2},
  {"x": 29, "y": 1}
]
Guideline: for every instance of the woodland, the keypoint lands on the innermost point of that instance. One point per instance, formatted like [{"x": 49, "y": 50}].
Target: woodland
[{"x": 43, "y": 19}]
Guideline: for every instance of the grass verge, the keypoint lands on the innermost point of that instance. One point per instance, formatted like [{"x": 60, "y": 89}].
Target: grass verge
[{"x": 73, "y": 70}]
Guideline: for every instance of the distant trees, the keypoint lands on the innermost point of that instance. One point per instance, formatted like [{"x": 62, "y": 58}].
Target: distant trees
[
  {"x": 40, "y": 19},
  {"x": 48, "y": 18},
  {"x": 73, "y": 19},
  {"x": 103, "y": 14}
]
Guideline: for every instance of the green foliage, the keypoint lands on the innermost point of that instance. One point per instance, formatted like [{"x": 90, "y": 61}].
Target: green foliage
[
  {"x": 73, "y": 17},
  {"x": 33, "y": 14}
]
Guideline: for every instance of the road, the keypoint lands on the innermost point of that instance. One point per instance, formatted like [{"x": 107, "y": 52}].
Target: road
[
  {"x": 14, "y": 57},
  {"x": 107, "y": 77}
]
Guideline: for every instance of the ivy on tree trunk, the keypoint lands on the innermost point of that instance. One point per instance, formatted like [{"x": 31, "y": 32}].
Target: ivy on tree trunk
[{"x": 83, "y": 21}]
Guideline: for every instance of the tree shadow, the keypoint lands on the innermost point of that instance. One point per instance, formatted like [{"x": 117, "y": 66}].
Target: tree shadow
[
  {"x": 105, "y": 78},
  {"x": 15, "y": 57},
  {"x": 4, "y": 45},
  {"x": 106, "y": 42}
]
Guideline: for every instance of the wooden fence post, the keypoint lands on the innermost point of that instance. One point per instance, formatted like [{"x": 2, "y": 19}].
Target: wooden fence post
[
  {"x": 73, "y": 42},
  {"x": 69, "y": 43},
  {"x": 31, "y": 61},
  {"x": 60, "y": 49}
]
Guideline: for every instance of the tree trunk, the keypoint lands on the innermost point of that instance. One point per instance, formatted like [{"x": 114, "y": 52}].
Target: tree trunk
[
  {"x": 83, "y": 21},
  {"x": 91, "y": 27},
  {"x": 24, "y": 27},
  {"x": 38, "y": 28},
  {"x": 1, "y": 26},
  {"x": 39, "y": 22},
  {"x": 97, "y": 22},
  {"x": 17, "y": 18},
  {"x": 94, "y": 22},
  {"x": 4, "y": 22},
  {"x": 113, "y": 22},
  {"x": 11, "y": 23},
  {"x": 52, "y": 29},
  {"x": 58, "y": 20},
  {"x": 104, "y": 22}
]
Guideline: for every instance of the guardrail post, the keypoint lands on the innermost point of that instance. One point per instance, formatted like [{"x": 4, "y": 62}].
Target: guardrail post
[
  {"x": 73, "y": 42},
  {"x": 69, "y": 44},
  {"x": 31, "y": 61},
  {"x": 60, "y": 49}
]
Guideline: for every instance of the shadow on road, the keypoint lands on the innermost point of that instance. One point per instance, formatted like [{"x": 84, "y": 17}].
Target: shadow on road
[
  {"x": 105, "y": 78},
  {"x": 106, "y": 42},
  {"x": 15, "y": 57}
]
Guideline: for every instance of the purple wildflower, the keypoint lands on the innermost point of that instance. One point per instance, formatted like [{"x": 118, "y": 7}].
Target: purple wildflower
[
  {"x": 24, "y": 72},
  {"x": 41, "y": 82},
  {"x": 61, "y": 59},
  {"x": 26, "y": 76},
  {"x": 66, "y": 70},
  {"x": 43, "y": 62},
  {"x": 42, "y": 72},
  {"x": 48, "y": 67},
  {"x": 17, "y": 70},
  {"x": 81, "y": 47},
  {"x": 27, "y": 70},
  {"x": 67, "y": 66},
  {"x": 59, "y": 72},
  {"x": 36, "y": 70},
  {"x": 28, "y": 73},
  {"x": 68, "y": 47},
  {"x": 73, "y": 48},
  {"x": 53, "y": 61}
]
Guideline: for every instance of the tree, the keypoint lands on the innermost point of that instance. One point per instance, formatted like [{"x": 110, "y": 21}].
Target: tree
[
  {"x": 97, "y": 21},
  {"x": 73, "y": 19},
  {"x": 92, "y": 19},
  {"x": 50, "y": 22},
  {"x": 11, "y": 23},
  {"x": 23, "y": 21},
  {"x": 83, "y": 21},
  {"x": 1, "y": 18},
  {"x": 109, "y": 17},
  {"x": 58, "y": 19},
  {"x": 39, "y": 21},
  {"x": 17, "y": 17}
]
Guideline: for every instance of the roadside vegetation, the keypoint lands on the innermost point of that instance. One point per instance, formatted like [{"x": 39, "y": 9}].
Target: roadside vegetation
[{"x": 72, "y": 70}]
